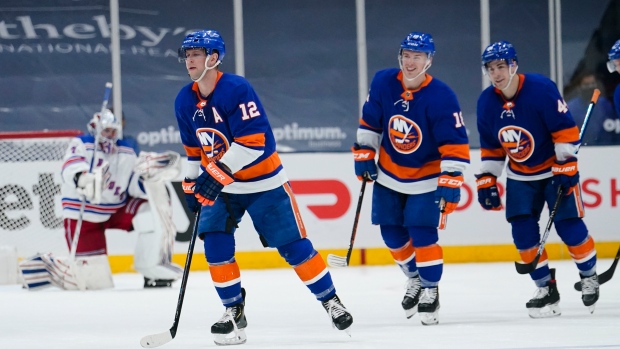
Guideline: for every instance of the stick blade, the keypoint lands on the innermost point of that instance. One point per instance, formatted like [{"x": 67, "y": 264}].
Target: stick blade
[
  {"x": 156, "y": 340},
  {"x": 526, "y": 268},
  {"x": 336, "y": 261}
]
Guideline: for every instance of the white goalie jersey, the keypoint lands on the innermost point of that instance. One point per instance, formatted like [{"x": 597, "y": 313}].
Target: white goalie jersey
[{"x": 116, "y": 168}]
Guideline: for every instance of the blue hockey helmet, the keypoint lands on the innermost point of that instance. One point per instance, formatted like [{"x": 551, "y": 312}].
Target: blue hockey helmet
[
  {"x": 614, "y": 53},
  {"x": 208, "y": 40},
  {"x": 418, "y": 42},
  {"x": 501, "y": 50}
]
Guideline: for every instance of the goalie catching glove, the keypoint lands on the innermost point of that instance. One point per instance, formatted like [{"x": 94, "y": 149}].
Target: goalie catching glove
[
  {"x": 157, "y": 167},
  {"x": 210, "y": 183},
  {"x": 488, "y": 194},
  {"x": 449, "y": 189}
]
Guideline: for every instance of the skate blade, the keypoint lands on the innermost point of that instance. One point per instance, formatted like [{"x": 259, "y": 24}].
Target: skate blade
[
  {"x": 591, "y": 308},
  {"x": 429, "y": 319},
  {"x": 233, "y": 338},
  {"x": 409, "y": 313},
  {"x": 549, "y": 310}
]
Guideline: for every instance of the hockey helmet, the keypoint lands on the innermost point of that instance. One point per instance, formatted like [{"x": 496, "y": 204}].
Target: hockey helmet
[
  {"x": 208, "y": 40},
  {"x": 501, "y": 50},
  {"x": 105, "y": 126},
  {"x": 418, "y": 42},
  {"x": 614, "y": 53}
]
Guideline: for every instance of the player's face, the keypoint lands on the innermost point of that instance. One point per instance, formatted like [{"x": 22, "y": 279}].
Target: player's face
[
  {"x": 499, "y": 73},
  {"x": 109, "y": 133},
  {"x": 616, "y": 62},
  {"x": 413, "y": 63},
  {"x": 195, "y": 62}
]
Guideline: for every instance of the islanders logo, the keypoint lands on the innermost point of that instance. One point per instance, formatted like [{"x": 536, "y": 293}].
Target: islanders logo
[
  {"x": 214, "y": 144},
  {"x": 405, "y": 135},
  {"x": 517, "y": 142}
]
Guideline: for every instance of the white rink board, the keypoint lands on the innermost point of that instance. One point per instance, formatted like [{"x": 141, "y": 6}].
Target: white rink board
[{"x": 470, "y": 225}]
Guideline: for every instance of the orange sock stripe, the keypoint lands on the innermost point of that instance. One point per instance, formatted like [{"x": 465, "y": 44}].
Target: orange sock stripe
[
  {"x": 581, "y": 251},
  {"x": 403, "y": 254},
  {"x": 311, "y": 269},
  {"x": 224, "y": 273},
  {"x": 527, "y": 256},
  {"x": 429, "y": 255}
]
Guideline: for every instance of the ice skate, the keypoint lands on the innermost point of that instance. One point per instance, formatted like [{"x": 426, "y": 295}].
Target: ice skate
[
  {"x": 339, "y": 315},
  {"x": 428, "y": 308},
  {"x": 589, "y": 291},
  {"x": 545, "y": 301},
  {"x": 229, "y": 330},
  {"x": 412, "y": 296}
]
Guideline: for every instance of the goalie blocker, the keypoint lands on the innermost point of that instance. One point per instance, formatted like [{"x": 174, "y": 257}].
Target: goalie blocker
[{"x": 151, "y": 219}]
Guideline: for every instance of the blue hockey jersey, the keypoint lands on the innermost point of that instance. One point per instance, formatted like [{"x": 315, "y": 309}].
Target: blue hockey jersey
[
  {"x": 525, "y": 128},
  {"x": 422, "y": 132}
]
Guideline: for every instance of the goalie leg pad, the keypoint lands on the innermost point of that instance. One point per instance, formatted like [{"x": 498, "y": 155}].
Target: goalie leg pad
[
  {"x": 34, "y": 273},
  {"x": 153, "y": 254},
  {"x": 93, "y": 271}
]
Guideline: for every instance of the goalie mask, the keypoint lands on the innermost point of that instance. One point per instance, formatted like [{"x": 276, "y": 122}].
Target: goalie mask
[{"x": 105, "y": 127}]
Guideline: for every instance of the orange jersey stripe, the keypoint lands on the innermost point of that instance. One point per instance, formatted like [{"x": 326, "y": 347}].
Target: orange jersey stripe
[
  {"x": 192, "y": 151},
  {"x": 527, "y": 256},
  {"x": 266, "y": 166},
  {"x": 311, "y": 268},
  {"x": 492, "y": 153},
  {"x": 569, "y": 135},
  {"x": 428, "y": 169},
  {"x": 224, "y": 273},
  {"x": 460, "y": 151},
  {"x": 363, "y": 123},
  {"x": 255, "y": 140},
  {"x": 583, "y": 250},
  {"x": 430, "y": 253},
  {"x": 300, "y": 222},
  {"x": 404, "y": 253},
  {"x": 526, "y": 169}
]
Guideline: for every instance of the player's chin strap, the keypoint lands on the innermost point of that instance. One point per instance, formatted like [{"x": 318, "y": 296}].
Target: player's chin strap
[
  {"x": 207, "y": 68},
  {"x": 512, "y": 75},
  {"x": 426, "y": 67}
]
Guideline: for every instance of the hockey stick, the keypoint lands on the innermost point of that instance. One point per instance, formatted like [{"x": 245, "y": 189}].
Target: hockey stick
[
  {"x": 526, "y": 268},
  {"x": 78, "y": 226},
  {"x": 159, "y": 339},
  {"x": 338, "y": 261},
  {"x": 606, "y": 275}
]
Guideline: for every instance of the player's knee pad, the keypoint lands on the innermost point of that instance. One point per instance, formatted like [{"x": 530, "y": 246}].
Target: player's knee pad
[
  {"x": 394, "y": 236},
  {"x": 154, "y": 247},
  {"x": 572, "y": 231},
  {"x": 525, "y": 231},
  {"x": 423, "y": 236},
  {"x": 296, "y": 252},
  {"x": 219, "y": 247}
]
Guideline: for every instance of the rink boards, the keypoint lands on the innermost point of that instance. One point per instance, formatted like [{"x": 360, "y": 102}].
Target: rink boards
[{"x": 326, "y": 191}]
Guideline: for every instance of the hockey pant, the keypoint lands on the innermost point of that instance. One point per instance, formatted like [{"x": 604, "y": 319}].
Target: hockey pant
[
  {"x": 416, "y": 251},
  {"x": 573, "y": 232},
  {"x": 300, "y": 254}
]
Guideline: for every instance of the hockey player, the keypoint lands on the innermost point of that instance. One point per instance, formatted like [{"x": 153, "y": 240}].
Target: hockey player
[
  {"x": 105, "y": 186},
  {"x": 233, "y": 167},
  {"x": 523, "y": 117},
  {"x": 414, "y": 122},
  {"x": 614, "y": 66}
]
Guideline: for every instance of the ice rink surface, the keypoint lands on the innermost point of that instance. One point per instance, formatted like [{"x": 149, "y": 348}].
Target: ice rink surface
[{"x": 482, "y": 306}]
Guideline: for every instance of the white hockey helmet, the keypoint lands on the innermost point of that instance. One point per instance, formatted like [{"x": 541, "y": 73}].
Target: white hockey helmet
[{"x": 105, "y": 126}]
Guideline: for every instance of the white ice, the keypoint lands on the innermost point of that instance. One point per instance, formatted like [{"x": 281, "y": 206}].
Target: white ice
[{"x": 482, "y": 306}]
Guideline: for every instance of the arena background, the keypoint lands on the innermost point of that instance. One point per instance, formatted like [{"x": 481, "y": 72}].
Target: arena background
[{"x": 303, "y": 58}]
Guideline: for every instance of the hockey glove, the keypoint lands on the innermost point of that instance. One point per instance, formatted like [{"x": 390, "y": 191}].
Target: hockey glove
[
  {"x": 190, "y": 197},
  {"x": 488, "y": 194},
  {"x": 449, "y": 188},
  {"x": 565, "y": 175},
  {"x": 211, "y": 182},
  {"x": 365, "y": 166}
]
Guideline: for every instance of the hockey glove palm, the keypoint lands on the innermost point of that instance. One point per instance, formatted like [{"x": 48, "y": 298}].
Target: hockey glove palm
[
  {"x": 365, "y": 166},
  {"x": 565, "y": 175},
  {"x": 488, "y": 194},
  {"x": 190, "y": 197},
  {"x": 449, "y": 189},
  {"x": 211, "y": 182}
]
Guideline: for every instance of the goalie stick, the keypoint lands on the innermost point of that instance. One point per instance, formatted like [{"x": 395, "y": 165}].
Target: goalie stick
[
  {"x": 606, "y": 275},
  {"x": 339, "y": 261},
  {"x": 526, "y": 268},
  {"x": 78, "y": 226},
  {"x": 159, "y": 339}
]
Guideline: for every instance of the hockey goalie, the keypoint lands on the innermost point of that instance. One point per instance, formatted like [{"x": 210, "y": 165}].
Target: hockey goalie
[{"x": 106, "y": 186}]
